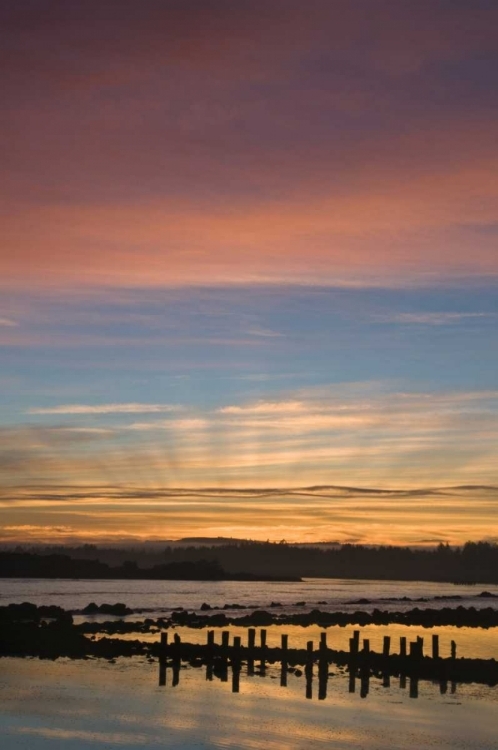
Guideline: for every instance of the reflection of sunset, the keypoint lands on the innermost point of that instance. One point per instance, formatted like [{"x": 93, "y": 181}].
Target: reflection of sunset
[{"x": 196, "y": 712}]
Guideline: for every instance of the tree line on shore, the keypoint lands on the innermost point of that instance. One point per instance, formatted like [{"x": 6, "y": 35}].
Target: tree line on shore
[{"x": 474, "y": 562}]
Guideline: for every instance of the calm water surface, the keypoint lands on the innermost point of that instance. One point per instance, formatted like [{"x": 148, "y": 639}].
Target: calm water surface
[
  {"x": 90, "y": 704},
  {"x": 164, "y": 596}
]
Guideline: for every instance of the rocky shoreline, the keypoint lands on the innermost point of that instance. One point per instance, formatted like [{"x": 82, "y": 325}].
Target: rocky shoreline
[{"x": 28, "y": 630}]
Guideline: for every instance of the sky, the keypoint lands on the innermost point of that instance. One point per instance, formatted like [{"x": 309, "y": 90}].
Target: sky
[{"x": 249, "y": 270}]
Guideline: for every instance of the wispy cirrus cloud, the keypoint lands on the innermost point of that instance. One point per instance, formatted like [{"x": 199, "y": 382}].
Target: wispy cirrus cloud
[
  {"x": 132, "y": 408},
  {"x": 265, "y": 407},
  {"x": 8, "y": 323},
  {"x": 433, "y": 318}
]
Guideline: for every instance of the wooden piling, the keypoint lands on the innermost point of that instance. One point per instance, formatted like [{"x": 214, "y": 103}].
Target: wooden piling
[
  {"x": 413, "y": 687},
  {"x": 284, "y": 644},
  {"x": 176, "y": 660},
  {"x": 435, "y": 647},
  {"x": 364, "y": 685},
  {"x": 386, "y": 647},
  {"x": 162, "y": 659},
  {"x": 365, "y": 669},
  {"x": 323, "y": 677},
  {"x": 236, "y": 664},
  {"x": 352, "y": 682},
  {"x": 262, "y": 666},
  {"x": 164, "y": 645},
  {"x": 263, "y": 638},
  {"x": 251, "y": 638},
  {"x": 356, "y": 639},
  {"x": 176, "y": 674},
  {"x": 308, "y": 670},
  {"x": 453, "y": 650},
  {"x": 225, "y": 639},
  {"x": 283, "y": 674},
  {"x": 251, "y": 641},
  {"x": 402, "y": 646},
  {"x": 323, "y": 667},
  {"x": 420, "y": 646}
]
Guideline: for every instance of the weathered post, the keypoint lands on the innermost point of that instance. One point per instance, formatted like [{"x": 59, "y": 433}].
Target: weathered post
[
  {"x": 420, "y": 647},
  {"x": 162, "y": 659},
  {"x": 251, "y": 641},
  {"x": 308, "y": 670},
  {"x": 225, "y": 642},
  {"x": 366, "y": 650},
  {"x": 365, "y": 669},
  {"x": 402, "y": 654},
  {"x": 353, "y": 657},
  {"x": 413, "y": 686},
  {"x": 323, "y": 660},
  {"x": 386, "y": 647},
  {"x": 453, "y": 650},
  {"x": 176, "y": 660},
  {"x": 323, "y": 667},
  {"x": 283, "y": 672},
  {"x": 263, "y": 651},
  {"x": 251, "y": 638},
  {"x": 236, "y": 665},
  {"x": 356, "y": 639},
  {"x": 435, "y": 647}
]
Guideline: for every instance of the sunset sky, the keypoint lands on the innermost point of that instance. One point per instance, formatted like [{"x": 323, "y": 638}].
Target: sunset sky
[{"x": 249, "y": 270}]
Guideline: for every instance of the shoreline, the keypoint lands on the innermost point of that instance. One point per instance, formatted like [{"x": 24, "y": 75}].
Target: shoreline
[{"x": 49, "y": 631}]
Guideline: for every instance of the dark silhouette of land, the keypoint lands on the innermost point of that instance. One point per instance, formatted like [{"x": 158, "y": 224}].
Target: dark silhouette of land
[
  {"x": 30, "y": 565},
  {"x": 475, "y": 562}
]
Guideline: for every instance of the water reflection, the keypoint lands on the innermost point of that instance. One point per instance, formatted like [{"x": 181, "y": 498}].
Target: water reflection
[
  {"x": 222, "y": 669},
  {"x": 46, "y": 705}
]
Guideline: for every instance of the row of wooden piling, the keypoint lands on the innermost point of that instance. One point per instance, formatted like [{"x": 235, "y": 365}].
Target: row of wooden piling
[
  {"x": 409, "y": 662},
  {"x": 218, "y": 657},
  {"x": 416, "y": 648}
]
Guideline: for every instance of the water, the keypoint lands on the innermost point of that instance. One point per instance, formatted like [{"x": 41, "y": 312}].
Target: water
[
  {"x": 44, "y": 706},
  {"x": 94, "y": 704},
  {"x": 163, "y": 596}
]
